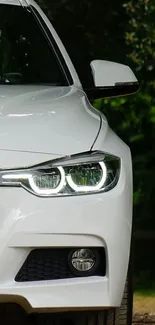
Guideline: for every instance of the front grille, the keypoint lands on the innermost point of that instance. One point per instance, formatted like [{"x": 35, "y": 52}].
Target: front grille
[{"x": 52, "y": 264}]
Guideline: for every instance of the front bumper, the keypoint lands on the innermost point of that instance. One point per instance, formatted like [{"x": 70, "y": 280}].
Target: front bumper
[{"x": 100, "y": 220}]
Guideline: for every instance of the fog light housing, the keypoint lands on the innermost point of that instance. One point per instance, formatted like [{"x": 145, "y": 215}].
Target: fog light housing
[{"x": 84, "y": 261}]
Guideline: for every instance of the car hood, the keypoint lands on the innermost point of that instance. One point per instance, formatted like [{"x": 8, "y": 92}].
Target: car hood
[{"x": 41, "y": 119}]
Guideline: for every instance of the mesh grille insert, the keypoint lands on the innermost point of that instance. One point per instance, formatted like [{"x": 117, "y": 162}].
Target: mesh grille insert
[{"x": 51, "y": 264}]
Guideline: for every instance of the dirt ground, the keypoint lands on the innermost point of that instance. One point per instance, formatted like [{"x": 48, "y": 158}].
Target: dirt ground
[{"x": 144, "y": 307}]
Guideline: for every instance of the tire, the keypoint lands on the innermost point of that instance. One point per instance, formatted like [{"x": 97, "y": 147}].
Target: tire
[
  {"x": 124, "y": 313},
  {"x": 126, "y": 309}
]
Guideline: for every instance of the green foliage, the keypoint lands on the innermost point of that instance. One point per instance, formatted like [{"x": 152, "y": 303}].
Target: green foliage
[
  {"x": 144, "y": 268},
  {"x": 133, "y": 118},
  {"x": 140, "y": 37}
]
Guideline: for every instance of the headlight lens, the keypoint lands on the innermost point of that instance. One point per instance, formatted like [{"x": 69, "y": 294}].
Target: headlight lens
[
  {"x": 88, "y": 177},
  {"x": 79, "y": 174}
]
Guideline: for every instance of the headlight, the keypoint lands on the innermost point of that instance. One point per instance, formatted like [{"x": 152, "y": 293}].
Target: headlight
[{"x": 78, "y": 174}]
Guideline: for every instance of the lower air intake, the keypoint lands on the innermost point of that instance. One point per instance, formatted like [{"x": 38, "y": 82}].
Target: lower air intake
[{"x": 52, "y": 264}]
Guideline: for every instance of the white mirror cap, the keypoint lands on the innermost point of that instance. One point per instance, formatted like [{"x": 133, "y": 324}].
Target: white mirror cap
[
  {"x": 10, "y": 2},
  {"x": 108, "y": 74}
]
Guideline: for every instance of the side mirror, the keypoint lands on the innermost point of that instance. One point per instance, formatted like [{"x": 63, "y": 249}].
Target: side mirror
[{"x": 111, "y": 80}]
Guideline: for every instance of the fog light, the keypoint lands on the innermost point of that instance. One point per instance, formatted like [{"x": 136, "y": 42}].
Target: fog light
[{"x": 84, "y": 261}]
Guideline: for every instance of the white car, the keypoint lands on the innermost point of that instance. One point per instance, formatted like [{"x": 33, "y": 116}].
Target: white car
[{"x": 65, "y": 181}]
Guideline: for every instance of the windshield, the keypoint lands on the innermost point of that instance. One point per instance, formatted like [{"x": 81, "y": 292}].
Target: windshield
[{"x": 26, "y": 57}]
